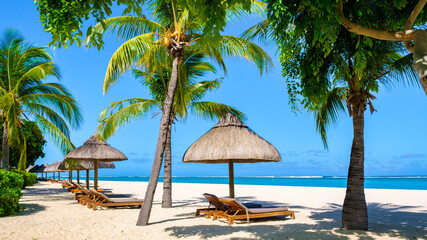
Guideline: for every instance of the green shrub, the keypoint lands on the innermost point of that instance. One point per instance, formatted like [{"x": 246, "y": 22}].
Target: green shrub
[
  {"x": 11, "y": 184},
  {"x": 29, "y": 178}
]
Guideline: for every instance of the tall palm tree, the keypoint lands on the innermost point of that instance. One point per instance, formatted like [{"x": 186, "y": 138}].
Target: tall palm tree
[
  {"x": 178, "y": 26},
  {"x": 188, "y": 96},
  {"x": 334, "y": 85},
  {"x": 24, "y": 93}
]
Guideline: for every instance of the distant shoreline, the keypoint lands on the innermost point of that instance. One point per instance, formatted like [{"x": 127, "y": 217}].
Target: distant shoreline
[{"x": 394, "y": 182}]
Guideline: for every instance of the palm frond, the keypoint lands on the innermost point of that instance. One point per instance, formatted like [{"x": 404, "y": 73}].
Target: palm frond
[
  {"x": 125, "y": 56},
  {"x": 126, "y": 27},
  {"x": 213, "y": 110},
  {"x": 121, "y": 113},
  {"x": 328, "y": 111}
]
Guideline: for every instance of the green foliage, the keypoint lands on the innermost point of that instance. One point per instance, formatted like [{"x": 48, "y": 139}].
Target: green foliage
[
  {"x": 64, "y": 19},
  {"x": 35, "y": 143},
  {"x": 29, "y": 178},
  {"x": 326, "y": 67},
  {"x": 11, "y": 184},
  {"x": 25, "y": 93}
]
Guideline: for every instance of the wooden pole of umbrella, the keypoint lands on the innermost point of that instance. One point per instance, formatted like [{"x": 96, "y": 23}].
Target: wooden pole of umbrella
[
  {"x": 231, "y": 178},
  {"x": 87, "y": 178},
  {"x": 95, "y": 174}
]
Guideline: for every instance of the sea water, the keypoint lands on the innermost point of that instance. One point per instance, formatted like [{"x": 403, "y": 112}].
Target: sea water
[{"x": 415, "y": 183}]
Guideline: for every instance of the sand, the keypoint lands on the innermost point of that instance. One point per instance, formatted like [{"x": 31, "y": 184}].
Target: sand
[{"x": 51, "y": 213}]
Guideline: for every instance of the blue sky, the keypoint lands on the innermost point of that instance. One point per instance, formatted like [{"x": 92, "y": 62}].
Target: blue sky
[{"x": 395, "y": 135}]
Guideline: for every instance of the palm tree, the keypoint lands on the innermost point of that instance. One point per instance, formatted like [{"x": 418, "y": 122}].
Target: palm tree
[
  {"x": 334, "y": 85},
  {"x": 178, "y": 26},
  {"x": 24, "y": 93},
  {"x": 188, "y": 96},
  {"x": 353, "y": 94}
]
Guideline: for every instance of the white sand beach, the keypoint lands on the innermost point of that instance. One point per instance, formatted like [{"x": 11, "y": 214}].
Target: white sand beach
[{"x": 51, "y": 213}]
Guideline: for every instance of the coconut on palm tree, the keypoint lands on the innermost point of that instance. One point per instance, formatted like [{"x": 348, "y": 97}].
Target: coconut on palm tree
[
  {"x": 178, "y": 26},
  {"x": 25, "y": 93}
]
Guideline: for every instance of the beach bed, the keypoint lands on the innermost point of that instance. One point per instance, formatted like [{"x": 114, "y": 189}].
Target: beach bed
[
  {"x": 236, "y": 210},
  {"x": 219, "y": 207},
  {"x": 102, "y": 200}
]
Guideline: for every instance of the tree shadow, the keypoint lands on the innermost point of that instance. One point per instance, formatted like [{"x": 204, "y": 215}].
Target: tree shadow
[
  {"x": 30, "y": 208},
  {"x": 386, "y": 220}
]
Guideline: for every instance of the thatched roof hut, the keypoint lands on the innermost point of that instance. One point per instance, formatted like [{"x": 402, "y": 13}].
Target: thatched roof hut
[
  {"x": 231, "y": 141},
  {"x": 84, "y": 165},
  {"x": 97, "y": 150},
  {"x": 53, "y": 167},
  {"x": 41, "y": 168},
  {"x": 33, "y": 169},
  {"x": 28, "y": 169}
]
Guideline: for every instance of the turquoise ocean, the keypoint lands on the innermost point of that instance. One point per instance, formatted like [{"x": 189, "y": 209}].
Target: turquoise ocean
[{"x": 414, "y": 183}]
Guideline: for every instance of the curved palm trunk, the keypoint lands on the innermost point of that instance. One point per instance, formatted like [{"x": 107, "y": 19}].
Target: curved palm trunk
[
  {"x": 355, "y": 213},
  {"x": 5, "y": 148},
  {"x": 167, "y": 175},
  {"x": 176, "y": 52}
]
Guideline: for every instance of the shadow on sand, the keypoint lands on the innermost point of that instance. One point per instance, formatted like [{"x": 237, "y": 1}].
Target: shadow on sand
[{"x": 385, "y": 220}]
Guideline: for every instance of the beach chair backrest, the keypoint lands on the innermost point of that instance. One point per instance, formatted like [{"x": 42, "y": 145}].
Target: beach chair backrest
[
  {"x": 100, "y": 195},
  {"x": 214, "y": 201},
  {"x": 83, "y": 189},
  {"x": 234, "y": 205}
]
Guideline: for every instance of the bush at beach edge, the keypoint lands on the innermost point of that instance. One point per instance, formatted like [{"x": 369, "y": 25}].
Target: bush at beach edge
[
  {"x": 29, "y": 178},
  {"x": 11, "y": 184}
]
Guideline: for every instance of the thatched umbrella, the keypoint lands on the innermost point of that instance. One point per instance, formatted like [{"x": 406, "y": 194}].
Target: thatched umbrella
[
  {"x": 34, "y": 169},
  {"x": 54, "y": 168},
  {"x": 85, "y": 165},
  {"x": 40, "y": 169},
  {"x": 97, "y": 150},
  {"x": 28, "y": 169},
  {"x": 231, "y": 141}
]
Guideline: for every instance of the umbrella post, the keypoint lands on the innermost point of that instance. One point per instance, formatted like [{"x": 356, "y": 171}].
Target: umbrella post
[
  {"x": 231, "y": 178},
  {"x": 78, "y": 176},
  {"x": 87, "y": 178},
  {"x": 71, "y": 176},
  {"x": 53, "y": 175},
  {"x": 95, "y": 180},
  {"x": 59, "y": 176}
]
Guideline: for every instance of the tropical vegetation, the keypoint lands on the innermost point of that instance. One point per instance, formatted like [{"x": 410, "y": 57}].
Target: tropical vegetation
[
  {"x": 385, "y": 20},
  {"x": 25, "y": 94},
  {"x": 343, "y": 74},
  {"x": 11, "y": 184},
  {"x": 34, "y": 141},
  {"x": 188, "y": 98},
  {"x": 178, "y": 27}
]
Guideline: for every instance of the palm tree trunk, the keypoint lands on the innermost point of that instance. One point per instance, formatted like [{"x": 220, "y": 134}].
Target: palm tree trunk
[
  {"x": 355, "y": 213},
  {"x": 5, "y": 148},
  {"x": 176, "y": 52},
  {"x": 167, "y": 175}
]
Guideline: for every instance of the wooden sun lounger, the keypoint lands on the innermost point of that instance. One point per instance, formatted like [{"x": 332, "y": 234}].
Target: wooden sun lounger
[
  {"x": 219, "y": 207},
  {"x": 102, "y": 200},
  {"x": 238, "y": 211}
]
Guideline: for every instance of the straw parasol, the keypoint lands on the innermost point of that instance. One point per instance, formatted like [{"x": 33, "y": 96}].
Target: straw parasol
[
  {"x": 28, "y": 169},
  {"x": 96, "y": 150},
  {"x": 231, "y": 141},
  {"x": 84, "y": 165},
  {"x": 54, "y": 168},
  {"x": 40, "y": 169}
]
